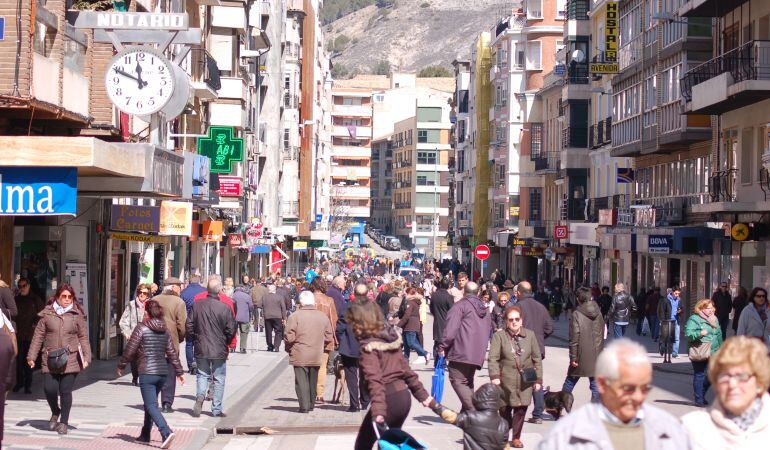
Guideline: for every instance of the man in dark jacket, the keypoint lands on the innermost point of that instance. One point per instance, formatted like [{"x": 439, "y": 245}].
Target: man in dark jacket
[
  {"x": 350, "y": 351},
  {"x": 586, "y": 339},
  {"x": 243, "y": 308},
  {"x": 211, "y": 325},
  {"x": 537, "y": 319},
  {"x": 723, "y": 302},
  {"x": 441, "y": 302},
  {"x": 653, "y": 300},
  {"x": 464, "y": 342},
  {"x": 620, "y": 311},
  {"x": 274, "y": 308},
  {"x": 282, "y": 290},
  {"x": 188, "y": 295},
  {"x": 28, "y": 305},
  {"x": 641, "y": 311},
  {"x": 605, "y": 301}
]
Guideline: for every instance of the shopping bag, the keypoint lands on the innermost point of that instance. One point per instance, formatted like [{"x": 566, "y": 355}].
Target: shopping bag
[
  {"x": 437, "y": 384},
  {"x": 395, "y": 438},
  {"x": 645, "y": 326}
]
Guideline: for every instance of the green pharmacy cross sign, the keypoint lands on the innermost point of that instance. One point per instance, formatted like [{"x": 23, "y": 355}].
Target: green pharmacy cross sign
[{"x": 221, "y": 148}]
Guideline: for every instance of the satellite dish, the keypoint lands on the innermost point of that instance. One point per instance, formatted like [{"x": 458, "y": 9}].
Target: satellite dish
[{"x": 578, "y": 56}]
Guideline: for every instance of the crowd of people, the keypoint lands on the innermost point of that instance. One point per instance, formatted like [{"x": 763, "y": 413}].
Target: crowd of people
[{"x": 359, "y": 315}]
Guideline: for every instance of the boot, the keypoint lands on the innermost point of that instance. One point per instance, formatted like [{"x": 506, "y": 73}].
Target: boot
[
  {"x": 198, "y": 406},
  {"x": 53, "y": 422}
]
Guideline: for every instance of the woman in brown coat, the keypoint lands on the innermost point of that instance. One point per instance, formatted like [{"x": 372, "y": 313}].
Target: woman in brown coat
[{"x": 61, "y": 335}]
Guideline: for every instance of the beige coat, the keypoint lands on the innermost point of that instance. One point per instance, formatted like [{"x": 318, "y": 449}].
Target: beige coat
[
  {"x": 502, "y": 365},
  {"x": 175, "y": 316},
  {"x": 308, "y": 331},
  {"x": 325, "y": 304},
  {"x": 66, "y": 331},
  {"x": 710, "y": 429}
]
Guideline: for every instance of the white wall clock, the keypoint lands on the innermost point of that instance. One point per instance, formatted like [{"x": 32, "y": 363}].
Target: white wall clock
[{"x": 140, "y": 80}]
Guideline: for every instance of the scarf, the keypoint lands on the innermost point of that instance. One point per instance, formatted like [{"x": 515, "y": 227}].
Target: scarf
[
  {"x": 712, "y": 319},
  {"x": 747, "y": 419},
  {"x": 60, "y": 310}
]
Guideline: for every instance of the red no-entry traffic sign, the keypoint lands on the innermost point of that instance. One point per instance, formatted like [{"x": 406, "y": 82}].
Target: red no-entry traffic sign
[{"x": 481, "y": 252}]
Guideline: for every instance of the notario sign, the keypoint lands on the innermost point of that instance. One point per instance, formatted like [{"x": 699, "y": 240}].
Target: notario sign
[
  {"x": 132, "y": 21},
  {"x": 658, "y": 244},
  {"x": 38, "y": 191}
]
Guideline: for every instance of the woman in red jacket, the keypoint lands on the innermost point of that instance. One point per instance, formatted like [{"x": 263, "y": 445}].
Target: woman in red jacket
[{"x": 388, "y": 376}]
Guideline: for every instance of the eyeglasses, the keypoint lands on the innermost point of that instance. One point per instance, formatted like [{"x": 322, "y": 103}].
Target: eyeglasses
[
  {"x": 630, "y": 389},
  {"x": 144, "y": 292},
  {"x": 760, "y": 295},
  {"x": 738, "y": 377},
  {"x": 65, "y": 296},
  {"x": 514, "y": 319}
]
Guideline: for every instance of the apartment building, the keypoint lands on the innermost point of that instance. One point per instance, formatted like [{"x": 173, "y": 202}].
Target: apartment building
[
  {"x": 421, "y": 156},
  {"x": 733, "y": 86},
  {"x": 351, "y": 152},
  {"x": 462, "y": 178}
]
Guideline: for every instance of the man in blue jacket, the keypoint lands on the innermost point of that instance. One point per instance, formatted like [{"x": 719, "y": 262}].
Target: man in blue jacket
[{"x": 188, "y": 295}]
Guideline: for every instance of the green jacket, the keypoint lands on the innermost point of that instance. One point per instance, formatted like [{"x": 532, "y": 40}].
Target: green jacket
[{"x": 692, "y": 331}]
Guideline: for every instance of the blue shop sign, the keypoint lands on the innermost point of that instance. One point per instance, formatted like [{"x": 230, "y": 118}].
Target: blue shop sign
[
  {"x": 38, "y": 191},
  {"x": 260, "y": 249},
  {"x": 659, "y": 243}
]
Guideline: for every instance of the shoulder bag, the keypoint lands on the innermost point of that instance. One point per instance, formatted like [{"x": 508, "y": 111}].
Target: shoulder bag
[
  {"x": 700, "y": 351},
  {"x": 528, "y": 375}
]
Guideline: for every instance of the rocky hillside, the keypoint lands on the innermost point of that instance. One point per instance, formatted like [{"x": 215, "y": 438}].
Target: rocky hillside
[{"x": 410, "y": 34}]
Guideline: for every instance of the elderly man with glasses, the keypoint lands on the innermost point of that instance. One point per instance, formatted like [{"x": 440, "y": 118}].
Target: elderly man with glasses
[{"x": 622, "y": 419}]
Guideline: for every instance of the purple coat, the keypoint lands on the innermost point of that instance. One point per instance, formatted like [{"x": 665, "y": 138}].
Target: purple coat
[
  {"x": 336, "y": 295},
  {"x": 243, "y": 304},
  {"x": 467, "y": 331}
]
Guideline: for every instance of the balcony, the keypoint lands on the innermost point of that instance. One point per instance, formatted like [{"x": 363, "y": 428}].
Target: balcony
[
  {"x": 578, "y": 9},
  {"x": 631, "y": 53},
  {"x": 352, "y": 111},
  {"x": 204, "y": 74},
  {"x": 350, "y": 172},
  {"x": 291, "y": 154},
  {"x": 730, "y": 81},
  {"x": 600, "y": 134},
  {"x": 290, "y": 210},
  {"x": 574, "y": 137},
  {"x": 351, "y": 131},
  {"x": 578, "y": 73},
  {"x": 549, "y": 162},
  {"x": 265, "y": 7},
  {"x": 709, "y": 8},
  {"x": 351, "y": 152},
  {"x": 351, "y": 192},
  {"x": 290, "y": 101}
]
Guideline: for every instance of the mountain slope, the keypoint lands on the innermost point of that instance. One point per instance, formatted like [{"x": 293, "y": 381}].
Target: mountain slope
[{"x": 413, "y": 34}]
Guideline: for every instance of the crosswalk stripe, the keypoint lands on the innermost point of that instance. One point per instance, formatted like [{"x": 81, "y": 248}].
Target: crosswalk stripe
[
  {"x": 334, "y": 441},
  {"x": 249, "y": 443}
]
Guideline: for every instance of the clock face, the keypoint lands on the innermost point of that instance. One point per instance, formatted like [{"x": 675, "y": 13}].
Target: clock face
[{"x": 140, "y": 81}]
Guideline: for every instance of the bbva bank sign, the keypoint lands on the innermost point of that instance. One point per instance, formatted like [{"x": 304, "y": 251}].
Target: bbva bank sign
[{"x": 38, "y": 191}]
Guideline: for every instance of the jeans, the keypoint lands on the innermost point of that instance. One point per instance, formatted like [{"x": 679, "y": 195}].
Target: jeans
[
  {"x": 654, "y": 326},
  {"x": 207, "y": 368},
  {"x": 538, "y": 398},
  {"x": 570, "y": 382},
  {"x": 619, "y": 330},
  {"x": 675, "y": 347},
  {"x": 150, "y": 386},
  {"x": 189, "y": 352},
  {"x": 169, "y": 387},
  {"x": 700, "y": 382},
  {"x": 411, "y": 342}
]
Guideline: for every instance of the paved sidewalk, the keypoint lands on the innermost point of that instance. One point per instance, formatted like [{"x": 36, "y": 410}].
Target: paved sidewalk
[
  {"x": 107, "y": 410},
  {"x": 680, "y": 365}
]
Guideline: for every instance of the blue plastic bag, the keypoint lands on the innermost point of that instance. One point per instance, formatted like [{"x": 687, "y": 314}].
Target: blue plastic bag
[
  {"x": 437, "y": 385},
  {"x": 395, "y": 439}
]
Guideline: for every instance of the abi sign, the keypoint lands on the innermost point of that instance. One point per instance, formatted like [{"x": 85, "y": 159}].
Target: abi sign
[{"x": 38, "y": 191}]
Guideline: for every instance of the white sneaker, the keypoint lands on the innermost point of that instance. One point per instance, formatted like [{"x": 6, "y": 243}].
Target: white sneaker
[{"x": 167, "y": 442}]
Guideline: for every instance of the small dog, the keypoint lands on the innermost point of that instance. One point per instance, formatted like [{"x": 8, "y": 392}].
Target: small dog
[
  {"x": 338, "y": 396},
  {"x": 555, "y": 401}
]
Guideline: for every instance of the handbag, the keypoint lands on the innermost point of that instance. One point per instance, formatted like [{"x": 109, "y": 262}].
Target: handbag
[
  {"x": 395, "y": 438},
  {"x": 58, "y": 359},
  {"x": 700, "y": 352}
]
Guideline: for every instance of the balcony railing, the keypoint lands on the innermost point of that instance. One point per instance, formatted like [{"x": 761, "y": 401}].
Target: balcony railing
[
  {"x": 203, "y": 68},
  {"x": 578, "y": 9},
  {"x": 600, "y": 133},
  {"x": 577, "y": 73},
  {"x": 291, "y": 153},
  {"x": 549, "y": 161},
  {"x": 290, "y": 209},
  {"x": 751, "y": 61},
  {"x": 576, "y": 137},
  {"x": 722, "y": 186},
  {"x": 290, "y": 101}
]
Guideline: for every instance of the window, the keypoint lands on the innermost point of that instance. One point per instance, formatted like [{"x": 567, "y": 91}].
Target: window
[
  {"x": 287, "y": 81},
  {"x": 534, "y": 9},
  {"x": 286, "y": 138},
  {"x": 427, "y": 179},
  {"x": 426, "y": 158},
  {"x": 379, "y": 98},
  {"x": 426, "y": 199},
  {"x": 74, "y": 55},
  {"x": 535, "y": 208},
  {"x": 427, "y": 136},
  {"x": 461, "y": 160},
  {"x": 534, "y": 55},
  {"x": 747, "y": 155},
  {"x": 429, "y": 114},
  {"x": 536, "y": 140},
  {"x": 459, "y": 191},
  {"x": 561, "y": 9},
  {"x": 500, "y": 174},
  {"x": 422, "y": 136}
]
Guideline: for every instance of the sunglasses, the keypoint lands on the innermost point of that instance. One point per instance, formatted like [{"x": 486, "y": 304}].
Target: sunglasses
[
  {"x": 65, "y": 296},
  {"x": 760, "y": 295},
  {"x": 514, "y": 319},
  {"x": 22, "y": 286},
  {"x": 144, "y": 292}
]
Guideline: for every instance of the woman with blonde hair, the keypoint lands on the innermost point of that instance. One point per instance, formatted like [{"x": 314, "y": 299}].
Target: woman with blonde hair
[
  {"x": 740, "y": 416},
  {"x": 704, "y": 336}
]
